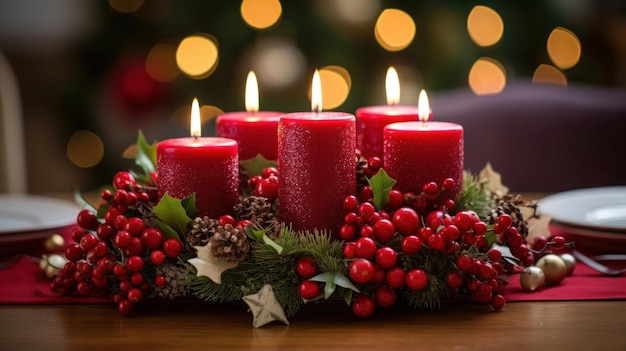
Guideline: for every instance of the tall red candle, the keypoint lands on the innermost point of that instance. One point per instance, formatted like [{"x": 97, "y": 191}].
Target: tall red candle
[
  {"x": 421, "y": 152},
  {"x": 371, "y": 120},
  {"x": 255, "y": 131},
  {"x": 208, "y": 167},
  {"x": 317, "y": 167}
]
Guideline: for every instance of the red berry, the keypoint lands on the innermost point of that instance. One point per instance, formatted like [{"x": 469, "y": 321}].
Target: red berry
[
  {"x": 136, "y": 279},
  {"x": 450, "y": 232},
  {"x": 349, "y": 250},
  {"x": 386, "y": 257},
  {"x": 350, "y": 203},
  {"x": 436, "y": 242},
  {"x": 366, "y": 210},
  {"x": 480, "y": 228},
  {"x": 111, "y": 214},
  {"x": 379, "y": 275},
  {"x": 106, "y": 194},
  {"x": 406, "y": 221},
  {"x": 123, "y": 180},
  {"x": 86, "y": 219},
  {"x": 306, "y": 267},
  {"x": 119, "y": 222},
  {"x": 505, "y": 221},
  {"x": 74, "y": 252},
  {"x": 416, "y": 279},
  {"x": 152, "y": 238},
  {"x": 558, "y": 242},
  {"x": 172, "y": 247},
  {"x": 384, "y": 230},
  {"x": 125, "y": 307},
  {"x": 160, "y": 280},
  {"x": 363, "y": 306},
  {"x": 464, "y": 220},
  {"x": 267, "y": 188},
  {"x": 135, "y": 295},
  {"x": 374, "y": 164},
  {"x": 309, "y": 289},
  {"x": 498, "y": 302},
  {"x": 83, "y": 288},
  {"x": 157, "y": 257},
  {"x": 448, "y": 184},
  {"x": 347, "y": 232},
  {"x": 105, "y": 231},
  {"x": 395, "y": 277},
  {"x": 494, "y": 255},
  {"x": 367, "y": 231},
  {"x": 454, "y": 280},
  {"x": 122, "y": 239},
  {"x": 486, "y": 271},
  {"x": 135, "y": 247},
  {"x": 134, "y": 263},
  {"x": 411, "y": 244},
  {"x": 88, "y": 242},
  {"x": 101, "y": 249},
  {"x": 361, "y": 270},
  {"x": 269, "y": 171},
  {"x": 430, "y": 188},
  {"x": 395, "y": 200},
  {"x": 135, "y": 226},
  {"x": 78, "y": 233},
  {"x": 385, "y": 296},
  {"x": 120, "y": 271},
  {"x": 365, "y": 247},
  {"x": 226, "y": 219},
  {"x": 255, "y": 180}
]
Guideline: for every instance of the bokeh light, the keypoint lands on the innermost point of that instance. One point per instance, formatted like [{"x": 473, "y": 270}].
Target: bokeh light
[
  {"x": 484, "y": 26},
  {"x": 487, "y": 76},
  {"x": 261, "y": 14},
  {"x": 161, "y": 63},
  {"x": 563, "y": 48},
  {"x": 197, "y": 56},
  {"x": 549, "y": 74},
  {"x": 336, "y": 84},
  {"x": 85, "y": 149},
  {"x": 394, "y": 30},
  {"x": 277, "y": 62},
  {"x": 126, "y": 6}
]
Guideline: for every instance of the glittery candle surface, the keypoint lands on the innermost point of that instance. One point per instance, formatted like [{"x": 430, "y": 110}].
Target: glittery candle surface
[
  {"x": 370, "y": 122},
  {"x": 255, "y": 132},
  {"x": 316, "y": 165},
  {"x": 416, "y": 154},
  {"x": 208, "y": 167}
]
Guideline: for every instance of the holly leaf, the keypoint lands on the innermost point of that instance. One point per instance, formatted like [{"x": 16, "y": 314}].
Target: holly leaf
[
  {"x": 256, "y": 165},
  {"x": 146, "y": 155},
  {"x": 168, "y": 232},
  {"x": 189, "y": 204},
  {"x": 347, "y": 296},
  {"x": 259, "y": 234},
  {"x": 344, "y": 282},
  {"x": 381, "y": 185},
  {"x": 332, "y": 280},
  {"x": 171, "y": 211}
]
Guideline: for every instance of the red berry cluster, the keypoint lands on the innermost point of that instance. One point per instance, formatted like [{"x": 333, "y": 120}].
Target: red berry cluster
[
  {"x": 118, "y": 256},
  {"x": 378, "y": 244},
  {"x": 266, "y": 184},
  {"x": 307, "y": 268}
]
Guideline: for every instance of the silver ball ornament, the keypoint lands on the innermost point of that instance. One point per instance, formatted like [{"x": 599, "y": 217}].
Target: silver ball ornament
[
  {"x": 532, "y": 278},
  {"x": 570, "y": 263},
  {"x": 553, "y": 268}
]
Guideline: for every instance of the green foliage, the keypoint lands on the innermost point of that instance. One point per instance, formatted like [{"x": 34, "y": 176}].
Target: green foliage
[
  {"x": 171, "y": 212},
  {"x": 145, "y": 158},
  {"x": 474, "y": 196},
  {"x": 256, "y": 165},
  {"x": 381, "y": 185}
]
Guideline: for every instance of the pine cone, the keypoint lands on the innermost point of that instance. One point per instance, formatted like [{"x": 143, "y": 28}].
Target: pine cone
[
  {"x": 510, "y": 204},
  {"x": 256, "y": 209},
  {"x": 230, "y": 243},
  {"x": 201, "y": 231},
  {"x": 361, "y": 178},
  {"x": 174, "y": 276}
]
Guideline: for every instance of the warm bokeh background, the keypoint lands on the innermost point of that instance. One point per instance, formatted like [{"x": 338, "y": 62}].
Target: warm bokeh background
[{"x": 92, "y": 73}]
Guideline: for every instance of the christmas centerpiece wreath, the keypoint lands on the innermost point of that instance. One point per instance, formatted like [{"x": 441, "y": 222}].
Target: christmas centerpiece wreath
[{"x": 418, "y": 247}]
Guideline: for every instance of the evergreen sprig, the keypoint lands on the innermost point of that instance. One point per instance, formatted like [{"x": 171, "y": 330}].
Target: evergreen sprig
[{"x": 474, "y": 196}]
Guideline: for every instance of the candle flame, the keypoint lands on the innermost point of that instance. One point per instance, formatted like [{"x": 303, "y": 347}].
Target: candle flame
[
  {"x": 316, "y": 93},
  {"x": 423, "y": 107},
  {"x": 252, "y": 93},
  {"x": 392, "y": 86},
  {"x": 196, "y": 129}
]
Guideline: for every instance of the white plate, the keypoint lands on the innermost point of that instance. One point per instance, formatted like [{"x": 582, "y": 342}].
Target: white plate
[
  {"x": 601, "y": 208},
  {"x": 30, "y": 213}
]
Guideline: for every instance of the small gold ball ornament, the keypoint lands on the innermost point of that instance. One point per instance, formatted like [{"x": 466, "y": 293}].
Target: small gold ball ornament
[
  {"x": 532, "y": 278},
  {"x": 553, "y": 268},
  {"x": 54, "y": 243},
  {"x": 570, "y": 263}
]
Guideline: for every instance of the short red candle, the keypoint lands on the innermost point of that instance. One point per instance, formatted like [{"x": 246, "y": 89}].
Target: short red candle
[
  {"x": 208, "y": 167},
  {"x": 372, "y": 120},
  {"x": 421, "y": 152},
  {"x": 317, "y": 168},
  {"x": 255, "y": 132}
]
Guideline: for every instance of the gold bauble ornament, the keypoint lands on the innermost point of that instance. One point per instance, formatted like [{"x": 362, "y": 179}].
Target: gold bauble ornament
[
  {"x": 553, "y": 268},
  {"x": 570, "y": 263},
  {"x": 54, "y": 243},
  {"x": 532, "y": 278}
]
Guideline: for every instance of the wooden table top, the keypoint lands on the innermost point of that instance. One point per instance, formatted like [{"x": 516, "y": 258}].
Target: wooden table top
[{"x": 575, "y": 325}]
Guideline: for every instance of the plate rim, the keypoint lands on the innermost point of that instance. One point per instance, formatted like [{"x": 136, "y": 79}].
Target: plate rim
[
  {"x": 567, "y": 195},
  {"x": 68, "y": 212}
]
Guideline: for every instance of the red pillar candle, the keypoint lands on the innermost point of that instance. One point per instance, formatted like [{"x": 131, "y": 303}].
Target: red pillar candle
[
  {"x": 371, "y": 120},
  {"x": 316, "y": 166},
  {"x": 255, "y": 131},
  {"x": 208, "y": 167},
  {"x": 420, "y": 152}
]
